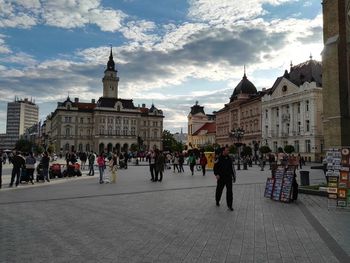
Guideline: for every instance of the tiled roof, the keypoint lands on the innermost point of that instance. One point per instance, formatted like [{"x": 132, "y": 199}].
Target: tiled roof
[
  {"x": 110, "y": 103},
  {"x": 209, "y": 127}
]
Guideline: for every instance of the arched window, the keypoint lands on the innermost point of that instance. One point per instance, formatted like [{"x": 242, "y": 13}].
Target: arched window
[
  {"x": 66, "y": 147},
  {"x": 80, "y": 147},
  {"x": 67, "y": 131},
  {"x": 87, "y": 147}
]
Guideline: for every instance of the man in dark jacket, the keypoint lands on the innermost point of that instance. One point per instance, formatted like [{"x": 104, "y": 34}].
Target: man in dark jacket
[
  {"x": 18, "y": 162},
  {"x": 225, "y": 172},
  {"x": 45, "y": 161}
]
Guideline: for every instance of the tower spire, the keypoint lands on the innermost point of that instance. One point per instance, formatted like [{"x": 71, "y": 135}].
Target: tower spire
[{"x": 244, "y": 72}]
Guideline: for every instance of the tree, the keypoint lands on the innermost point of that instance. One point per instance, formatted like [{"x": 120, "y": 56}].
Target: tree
[
  {"x": 246, "y": 151},
  {"x": 24, "y": 145},
  {"x": 233, "y": 149},
  {"x": 289, "y": 149},
  {"x": 280, "y": 150},
  {"x": 265, "y": 149},
  {"x": 208, "y": 148},
  {"x": 51, "y": 149},
  {"x": 133, "y": 147},
  {"x": 169, "y": 142}
]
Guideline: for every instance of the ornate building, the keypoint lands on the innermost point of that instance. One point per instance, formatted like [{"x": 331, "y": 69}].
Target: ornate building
[
  {"x": 109, "y": 124},
  {"x": 200, "y": 126},
  {"x": 292, "y": 111},
  {"x": 336, "y": 72},
  {"x": 243, "y": 111}
]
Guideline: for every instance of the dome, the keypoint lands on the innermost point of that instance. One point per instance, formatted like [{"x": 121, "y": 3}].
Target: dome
[{"x": 244, "y": 87}]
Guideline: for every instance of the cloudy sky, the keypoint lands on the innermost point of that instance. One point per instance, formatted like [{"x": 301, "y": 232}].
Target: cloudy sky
[{"x": 171, "y": 52}]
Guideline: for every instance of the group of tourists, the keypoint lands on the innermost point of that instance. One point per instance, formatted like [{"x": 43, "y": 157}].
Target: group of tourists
[{"x": 23, "y": 167}]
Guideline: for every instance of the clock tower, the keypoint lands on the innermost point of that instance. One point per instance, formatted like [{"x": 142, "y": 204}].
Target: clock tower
[
  {"x": 110, "y": 79},
  {"x": 336, "y": 72}
]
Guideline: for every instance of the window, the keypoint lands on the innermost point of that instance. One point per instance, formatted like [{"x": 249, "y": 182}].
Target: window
[
  {"x": 81, "y": 120},
  {"x": 285, "y": 143},
  {"x": 67, "y": 131},
  {"x": 144, "y": 123},
  {"x": 307, "y": 125},
  {"x": 275, "y": 146},
  {"x": 87, "y": 147},
  {"x": 296, "y": 146},
  {"x": 155, "y": 134},
  {"x": 288, "y": 128},
  {"x": 117, "y": 130},
  {"x": 266, "y": 129},
  {"x": 298, "y": 107},
  {"x": 277, "y": 112},
  {"x": 266, "y": 114},
  {"x": 125, "y": 130},
  {"x": 307, "y": 105},
  {"x": 89, "y": 121},
  {"x": 308, "y": 146},
  {"x": 133, "y": 130},
  {"x": 110, "y": 130},
  {"x": 80, "y": 147},
  {"x": 299, "y": 127},
  {"x": 66, "y": 147}
]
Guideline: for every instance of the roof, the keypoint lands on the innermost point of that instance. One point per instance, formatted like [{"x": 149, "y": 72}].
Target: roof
[
  {"x": 110, "y": 103},
  {"x": 209, "y": 127},
  {"x": 243, "y": 87},
  {"x": 195, "y": 109},
  {"x": 309, "y": 71}
]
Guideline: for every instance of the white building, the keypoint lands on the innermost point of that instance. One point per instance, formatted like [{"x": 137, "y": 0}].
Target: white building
[
  {"x": 21, "y": 115},
  {"x": 110, "y": 124},
  {"x": 292, "y": 111}
]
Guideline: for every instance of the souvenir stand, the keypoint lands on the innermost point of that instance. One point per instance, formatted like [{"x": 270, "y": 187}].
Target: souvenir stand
[
  {"x": 279, "y": 187},
  {"x": 338, "y": 177}
]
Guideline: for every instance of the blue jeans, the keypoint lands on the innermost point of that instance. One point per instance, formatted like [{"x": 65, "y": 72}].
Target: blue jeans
[
  {"x": 101, "y": 170},
  {"x": 45, "y": 174}
]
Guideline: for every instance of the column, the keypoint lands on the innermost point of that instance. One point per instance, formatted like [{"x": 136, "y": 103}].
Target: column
[{"x": 291, "y": 119}]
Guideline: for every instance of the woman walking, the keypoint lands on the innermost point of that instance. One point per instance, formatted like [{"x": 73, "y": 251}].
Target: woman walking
[
  {"x": 101, "y": 166},
  {"x": 192, "y": 162},
  {"x": 203, "y": 162}
]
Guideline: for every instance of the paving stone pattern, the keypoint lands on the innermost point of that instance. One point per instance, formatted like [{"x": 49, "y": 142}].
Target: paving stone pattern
[{"x": 136, "y": 220}]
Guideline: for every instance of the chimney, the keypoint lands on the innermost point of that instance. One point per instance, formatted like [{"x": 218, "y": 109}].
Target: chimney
[
  {"x": 143, "y": 105},
  {"x": 76, "y": 100},
  {"x": 93, "y": 101}
]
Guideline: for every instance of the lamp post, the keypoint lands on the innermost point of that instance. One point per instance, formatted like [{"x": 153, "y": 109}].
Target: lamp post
[{"x": 237, "y": 134}]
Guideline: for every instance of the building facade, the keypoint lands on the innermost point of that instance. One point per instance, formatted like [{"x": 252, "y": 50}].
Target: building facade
[
  {"x": 196, "y": 120},
  {"x": 109, "y": 124},
  {"x": 243, "y": 111},
  {"x": 292, "y": 111},
  {"x": 21, "y": 115},
  {"x": 336, "y": 72}
]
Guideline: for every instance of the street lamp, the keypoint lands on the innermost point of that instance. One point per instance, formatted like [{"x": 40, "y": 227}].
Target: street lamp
[{"x": 237, "y": 134}]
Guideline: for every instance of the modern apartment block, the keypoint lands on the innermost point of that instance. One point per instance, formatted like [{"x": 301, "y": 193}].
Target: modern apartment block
[{"x": 21, "y": 114}]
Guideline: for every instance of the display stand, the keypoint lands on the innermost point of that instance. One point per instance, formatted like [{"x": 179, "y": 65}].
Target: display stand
[
  {"x": 338, "y": 177},
  {"x": 280, "y": 187}
]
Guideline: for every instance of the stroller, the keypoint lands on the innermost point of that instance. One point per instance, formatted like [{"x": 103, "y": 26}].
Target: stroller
[
  {"x": 39, "y": 173},
  {"x": 72, "y": 170},
  {"x": 55, "y": 171}
]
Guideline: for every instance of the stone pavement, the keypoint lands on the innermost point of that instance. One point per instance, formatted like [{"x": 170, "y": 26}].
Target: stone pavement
[{"x": 136, "y": 220}]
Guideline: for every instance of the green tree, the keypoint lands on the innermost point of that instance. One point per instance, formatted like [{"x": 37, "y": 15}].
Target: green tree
[
  {"x": 208, "y": 148},
  {"x": 233, "y": 149},
  {"x": 280, "y": 150},
  {"x": 24, "y": 145},
  {"x": 133, "y": 147},
  {"x": 246, "y": 151},
  {"x": 265, "y": 149},
  {"x": 289, "y": 149},
  {"x": 169, "y": 141},
  {"x": 51, "y": 149}
]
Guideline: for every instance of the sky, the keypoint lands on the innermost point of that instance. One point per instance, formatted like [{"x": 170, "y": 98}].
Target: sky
[{"x": 168, "y": 52}]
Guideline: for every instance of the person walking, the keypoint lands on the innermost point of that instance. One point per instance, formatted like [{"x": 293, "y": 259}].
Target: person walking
[
  {"x": 18, "y": 162},
  {"x": 91, "y": 160},
  {"x": 181, "y": 163},
  {"x": 160, "y": 165},
  {"x": 176, "y": 162},
  {"x": 101, "y": 166},
  {"x": 152, "y": 164},
  {"x": 113, "y": 166},
  {"x": 45, "y": 162},
  {"x": 30, "y": 166},
  {"x": 225, "y": 173},
  {"x": 203, "y": 162},
  {"x": 192, "y": 162}
]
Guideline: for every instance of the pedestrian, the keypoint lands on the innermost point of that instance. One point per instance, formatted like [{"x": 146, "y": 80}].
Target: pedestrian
[
  {"x": 45, "y": 162},
  {"x": 101, "y": 166},
  {"x": 1, "y": 160},
  {"x": 113, "y": 167},
  {"x": 181, "y": 163},
  {"x": 30, "y": 166},
  {"x": 91, "y": 160},
  {"x": 192, "y": 162},
  {"x": 83, "y": 157},
  {"x": 152, "y": 163},
  {"x": 203, "y": 162},
  {"x": 126, "y": 159},
  {"x": 300, "y": 161},
  {"x": 18, "y": 163},
  {"x": 176, "y": 162},
  {"x": 161, "y": 161},
  {"x": 225, "y": 173}
]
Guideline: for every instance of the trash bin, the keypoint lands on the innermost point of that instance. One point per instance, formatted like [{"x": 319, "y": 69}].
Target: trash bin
[{"x": 304, "y": 178}]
